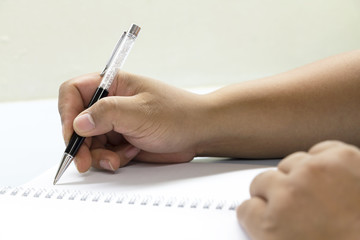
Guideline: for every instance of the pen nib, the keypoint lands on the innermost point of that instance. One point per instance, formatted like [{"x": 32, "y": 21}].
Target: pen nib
[{"x": 65, "y": 162}]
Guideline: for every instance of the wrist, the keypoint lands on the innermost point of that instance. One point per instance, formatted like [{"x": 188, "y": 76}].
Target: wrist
[
  {"x": 230, "y": 125},
  {"x": 218, "y": 131}
]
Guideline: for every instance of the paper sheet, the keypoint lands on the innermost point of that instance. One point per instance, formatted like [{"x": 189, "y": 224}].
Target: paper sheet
[
  {"x": 223, "y": 180},
  {"x": 41, "y": 218}
]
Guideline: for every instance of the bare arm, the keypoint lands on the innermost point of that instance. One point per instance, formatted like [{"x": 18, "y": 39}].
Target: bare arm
[
  {"x": 271, "y": 117},
  {"x": 278, "y": 115}
]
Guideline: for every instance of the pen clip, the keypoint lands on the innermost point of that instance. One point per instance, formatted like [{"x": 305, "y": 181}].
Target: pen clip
[{"x": 113, "y": 53}]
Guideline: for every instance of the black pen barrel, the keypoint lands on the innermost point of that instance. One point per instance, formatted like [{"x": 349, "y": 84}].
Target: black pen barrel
[{"x": 76, "y": 140}]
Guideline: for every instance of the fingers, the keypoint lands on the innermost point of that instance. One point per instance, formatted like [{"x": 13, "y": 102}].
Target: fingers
[
  {"x": 276, "y": 193},
  {"x": 121, "y": 114},
  {"x": 165, "y": 157},
  {"x": 74, "y": 95},
  {"x": 82, "y": 159},
  {"x": 322, "y": 146},
  {"x": 250, "y": 214},
  {"x": 95, "y": 153},
  {"x": 295, "y": 160},
  {"x": 113, "y": 159},
  {"x": 265, "y": 183},
  {"x": 292, "y": 161},
  {"x": 105, "y": 159}
]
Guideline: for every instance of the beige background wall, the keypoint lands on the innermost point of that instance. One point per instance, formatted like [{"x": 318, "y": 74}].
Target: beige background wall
[{"x": 185, "y": 43}]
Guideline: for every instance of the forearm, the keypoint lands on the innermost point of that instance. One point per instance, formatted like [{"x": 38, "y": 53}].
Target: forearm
[{"x": 275, "y": 116}]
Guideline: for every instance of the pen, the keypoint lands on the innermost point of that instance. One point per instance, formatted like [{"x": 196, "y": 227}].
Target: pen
[{"x": 115, "y": 63}]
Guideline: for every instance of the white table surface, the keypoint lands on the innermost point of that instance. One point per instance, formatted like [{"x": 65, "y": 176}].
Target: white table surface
[{"x": 31, "y": 140}]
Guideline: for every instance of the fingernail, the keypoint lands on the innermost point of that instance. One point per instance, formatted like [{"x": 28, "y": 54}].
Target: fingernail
[
  {"x": 84, "y": 122},
  {"x": 106, "y": 164},
  {"x": 131, "y": 152}
]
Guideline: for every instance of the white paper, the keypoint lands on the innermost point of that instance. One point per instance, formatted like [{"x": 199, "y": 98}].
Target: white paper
[{"x": 198, "y": 181}]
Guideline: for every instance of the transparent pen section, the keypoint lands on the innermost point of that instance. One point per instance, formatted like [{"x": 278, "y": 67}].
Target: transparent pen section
[{"x": 117, "y": 62}]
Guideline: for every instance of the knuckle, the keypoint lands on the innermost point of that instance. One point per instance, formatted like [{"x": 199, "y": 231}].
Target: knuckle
[
  {"x": 105, "y": 108},
  {"x": 294, "y": 156},
  {"x": 282, "y": 164},
  {"x": 242, "y": 211},
  {"x": 127, "y": 84},
  {"x": 349, "y": 149},
  {"x": 107, "y": 104},
  {"x": 314, "y": 165},
  {"x": 122, "y": 77},
  {"x": 298, "y": 154},
  {"x": 68, "y": 83},
  {"x": 311, "y": 168},
  {"x": 110, "y": 103},
  {"x": 347, "y": 153},
  {"x": 333, "y": 158},
  {"x": 63, "y": 97},
  {"x": 64, "y": 87},
  {"x": 291, "y": 159},
  {"x": 65, "y": 83},
  {"x": 325, "y": 145},
  {"x": 260, "y": 179}
]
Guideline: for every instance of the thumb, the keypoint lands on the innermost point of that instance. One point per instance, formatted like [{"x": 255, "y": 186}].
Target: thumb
[{"x": 110, "y": 113}]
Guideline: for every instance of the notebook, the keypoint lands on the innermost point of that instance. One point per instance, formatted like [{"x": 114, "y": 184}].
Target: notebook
[{"x": 195, "y": 200}]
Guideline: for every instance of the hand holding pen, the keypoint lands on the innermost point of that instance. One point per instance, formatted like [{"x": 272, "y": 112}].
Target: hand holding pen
[
  {"x": 114, "y": 64},
  {"x": 140, "y": 117}
]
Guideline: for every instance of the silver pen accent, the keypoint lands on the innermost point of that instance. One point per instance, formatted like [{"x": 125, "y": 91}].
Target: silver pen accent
[{"x": 65, "y": 162}]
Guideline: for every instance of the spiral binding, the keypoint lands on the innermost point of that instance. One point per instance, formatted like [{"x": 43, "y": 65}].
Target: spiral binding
[{"x": 118, "y": 198}]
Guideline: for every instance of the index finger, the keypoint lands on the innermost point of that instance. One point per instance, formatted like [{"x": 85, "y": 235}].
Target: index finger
[{"x": 74, "y": 96}]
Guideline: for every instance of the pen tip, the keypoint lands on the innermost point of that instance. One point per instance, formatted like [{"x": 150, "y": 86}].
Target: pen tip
[{"x": 65, "y": 162}]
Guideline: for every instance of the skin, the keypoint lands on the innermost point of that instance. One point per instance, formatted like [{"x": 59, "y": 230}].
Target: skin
[
  {"x": 312, "y": 195},
  {"x": 139, "y": 113},
  {"x": 148, "y": 120}
]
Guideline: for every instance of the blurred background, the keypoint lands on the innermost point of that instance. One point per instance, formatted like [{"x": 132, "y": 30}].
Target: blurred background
[{"x": 184, "y": 43}]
